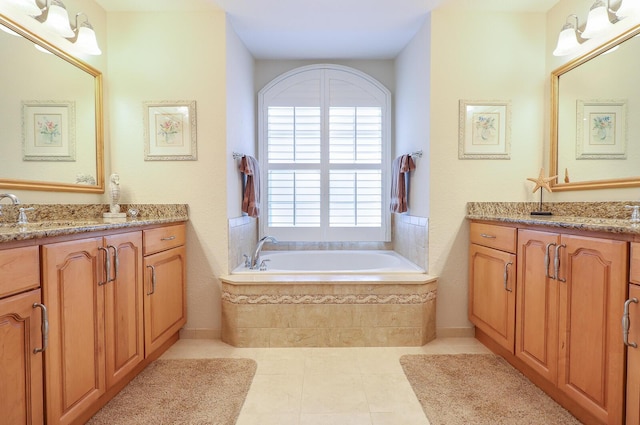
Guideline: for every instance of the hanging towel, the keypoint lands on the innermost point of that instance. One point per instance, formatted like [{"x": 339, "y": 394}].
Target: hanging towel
[
  {"x": 251, "y": 196},
  {"x": 401, "y": 166}
]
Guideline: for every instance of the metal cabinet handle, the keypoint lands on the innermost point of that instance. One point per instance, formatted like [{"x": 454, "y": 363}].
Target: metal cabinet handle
[
  {"x": 626, "y": 323},
  {"x": 45, "y": 328},
  {"x": 153, "y": 280},
  {"x": 168, "y": 238},
  {"x": 116, "y": 262},
  {"x": 107, "y": 266},
  {"x": 506, "y": 276},
  {"x": 547, "y": 260},
  {"x": 556, "y": 263},
  {"x": 484, "y": 235}
]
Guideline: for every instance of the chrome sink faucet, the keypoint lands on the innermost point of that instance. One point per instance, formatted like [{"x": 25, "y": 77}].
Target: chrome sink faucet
[
  {"x": 255, "y": 260},
  {"x": 14, "y": 199}
]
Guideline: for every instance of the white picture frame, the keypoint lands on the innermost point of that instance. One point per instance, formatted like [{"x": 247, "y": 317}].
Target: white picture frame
[
  {"x": 170, "y": 130},
  {"x": 601, "y": 129},
  {"x": 484, "y": 130},
  {"x": 48, "y": 130}
]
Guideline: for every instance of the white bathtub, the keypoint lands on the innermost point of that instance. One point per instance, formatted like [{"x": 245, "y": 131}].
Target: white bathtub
[{"x": 314, "y": 262}]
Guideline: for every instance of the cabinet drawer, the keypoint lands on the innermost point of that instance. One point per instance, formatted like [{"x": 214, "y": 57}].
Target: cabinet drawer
[
  {"x": 634, "y": 263},
  {"x": 19, "y": 270},
  {"x": 163, "y": 238},
  {"x": 492, "y": 236}
]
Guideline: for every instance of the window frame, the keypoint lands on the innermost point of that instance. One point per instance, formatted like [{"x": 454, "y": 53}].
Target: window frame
[{"x": 381, "y": 98}]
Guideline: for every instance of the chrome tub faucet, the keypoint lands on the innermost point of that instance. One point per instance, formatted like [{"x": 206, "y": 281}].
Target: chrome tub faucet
[{"x": 255, "y": 259}]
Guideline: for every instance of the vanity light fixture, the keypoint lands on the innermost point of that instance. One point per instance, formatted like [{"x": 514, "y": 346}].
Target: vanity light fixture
[
  {"x": 55, "y": 18},
  {"x": 568, "y": 38},
  {"x": 85, "y": 37},
  {"x": 598, "y": 20}
]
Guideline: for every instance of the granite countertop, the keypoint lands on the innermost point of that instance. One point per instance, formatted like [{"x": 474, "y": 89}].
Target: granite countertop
[
  {"x": 609, "y": 217},
  {"x": 59, "y": 220}
]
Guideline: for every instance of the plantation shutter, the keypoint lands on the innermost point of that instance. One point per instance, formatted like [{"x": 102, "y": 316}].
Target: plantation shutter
[{"x": 324, "y": 154}]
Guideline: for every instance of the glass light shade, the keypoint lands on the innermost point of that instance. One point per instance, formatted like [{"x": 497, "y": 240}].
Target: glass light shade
[
  {"x": 597, "y": 21},
  {"x": 26, "y": 7},
  {"x": 628, "y": 8},
  {"x": 567, "y": 41},
  {"x": 86, "y": 41},
  {"x": 57, "y": 19}
]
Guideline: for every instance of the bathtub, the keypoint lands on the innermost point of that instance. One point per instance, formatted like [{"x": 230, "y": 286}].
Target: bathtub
[
  {"x": 329, "y": 299},
  {"x": 315, "y": 262}
]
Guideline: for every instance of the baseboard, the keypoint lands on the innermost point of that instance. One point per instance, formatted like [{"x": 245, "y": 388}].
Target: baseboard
[
  {"x": 455, "y": 332},
  {"x": 200, "y": 333}
]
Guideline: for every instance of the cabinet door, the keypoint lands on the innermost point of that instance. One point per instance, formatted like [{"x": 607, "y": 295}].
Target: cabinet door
[
  {"x": 591, "y": 356},
  {"x": 20, "y": 368},
  {"x": 124, "y": 335},
  {"x": 164, "y": 303},
  {"x": 633, "y": 360},
  {"x": 492, "y": 293},
  {"x": 537, "y": 303},
  {"x": 74, "y": 361}
]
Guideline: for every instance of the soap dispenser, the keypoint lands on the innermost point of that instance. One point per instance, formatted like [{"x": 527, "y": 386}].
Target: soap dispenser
[{"x": 635, "y": 213}]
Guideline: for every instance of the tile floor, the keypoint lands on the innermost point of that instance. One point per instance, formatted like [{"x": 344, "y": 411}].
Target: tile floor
[{"x": 327, "y": 386}]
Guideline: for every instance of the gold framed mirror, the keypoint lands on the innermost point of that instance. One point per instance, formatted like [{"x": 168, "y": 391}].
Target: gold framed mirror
[
  {"x": 594, "y": 140},
  {"x": 51, "y": 115}
]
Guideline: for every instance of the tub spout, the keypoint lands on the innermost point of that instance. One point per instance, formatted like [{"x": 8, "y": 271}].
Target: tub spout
[{"x": 255, "y": 260}]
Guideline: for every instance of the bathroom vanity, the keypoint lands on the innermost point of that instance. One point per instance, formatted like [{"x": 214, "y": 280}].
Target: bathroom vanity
[
  {"x": 85, "y": 305},
  {"x": 548, "y": 294}
]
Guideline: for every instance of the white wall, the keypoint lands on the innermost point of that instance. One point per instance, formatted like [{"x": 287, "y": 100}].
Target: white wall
[
  {"x": 412, "y": 111},
  {"x": 479, "y": 56},
  {"x": 381, "y": 70},
  {"x": 175, "y": 56},
  {"x": 241, "y": 116}
]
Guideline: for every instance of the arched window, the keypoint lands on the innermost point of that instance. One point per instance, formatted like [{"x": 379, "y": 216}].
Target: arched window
[{"x": 324, "y": 149}]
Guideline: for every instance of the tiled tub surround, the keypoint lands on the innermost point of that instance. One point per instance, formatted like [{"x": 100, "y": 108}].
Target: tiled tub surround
[
  {"x": 48, "y": 220},
  {"x": 325, "y": 310},
  {"x": 410, "y": 238},
  {"x": 409, "y": 234}
]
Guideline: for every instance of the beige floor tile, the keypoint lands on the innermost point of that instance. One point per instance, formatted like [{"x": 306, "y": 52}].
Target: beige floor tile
[
  {"x": 327, "y": 386},
  {"x": 331, "y": 364},
  {"x": 378, "y": 360},
  {"x": 399, "y": 418},
  {"x": 333, "y": 394},
  {"x": 335, "y": 419},
  {"x": 274, "y": 394},
  {"x": 390, "y": 393},
  {"x": 281, "y": 366},
  {"x": 268, "y": 419}
]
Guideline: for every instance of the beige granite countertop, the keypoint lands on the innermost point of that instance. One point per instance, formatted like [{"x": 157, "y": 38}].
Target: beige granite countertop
[
  {"x": 60, "y": 220},
  {"x": 609, "y": 217}
]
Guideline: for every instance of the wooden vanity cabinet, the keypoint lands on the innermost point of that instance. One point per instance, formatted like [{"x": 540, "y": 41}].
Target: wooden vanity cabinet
[
  {"x": 21, "y": 339},
  {"x": 165, "y": 265},
  {"x": 95, "y": 319},
  {"x": 537, "y": 303},
  {"x": 633, "y": 339},
  {"x": 591, "y": 357},
  {"x": 492, "y": 295},
  {"x": 570, "y": 295}
]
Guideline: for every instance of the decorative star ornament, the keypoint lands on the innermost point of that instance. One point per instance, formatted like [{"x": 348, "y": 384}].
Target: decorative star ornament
[{"x": 542, "y": 181}]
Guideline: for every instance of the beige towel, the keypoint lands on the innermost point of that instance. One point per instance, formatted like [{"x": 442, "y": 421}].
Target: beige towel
[
  {"x": 251, "y": 197},
  {"x": 401, "y": 166}
]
